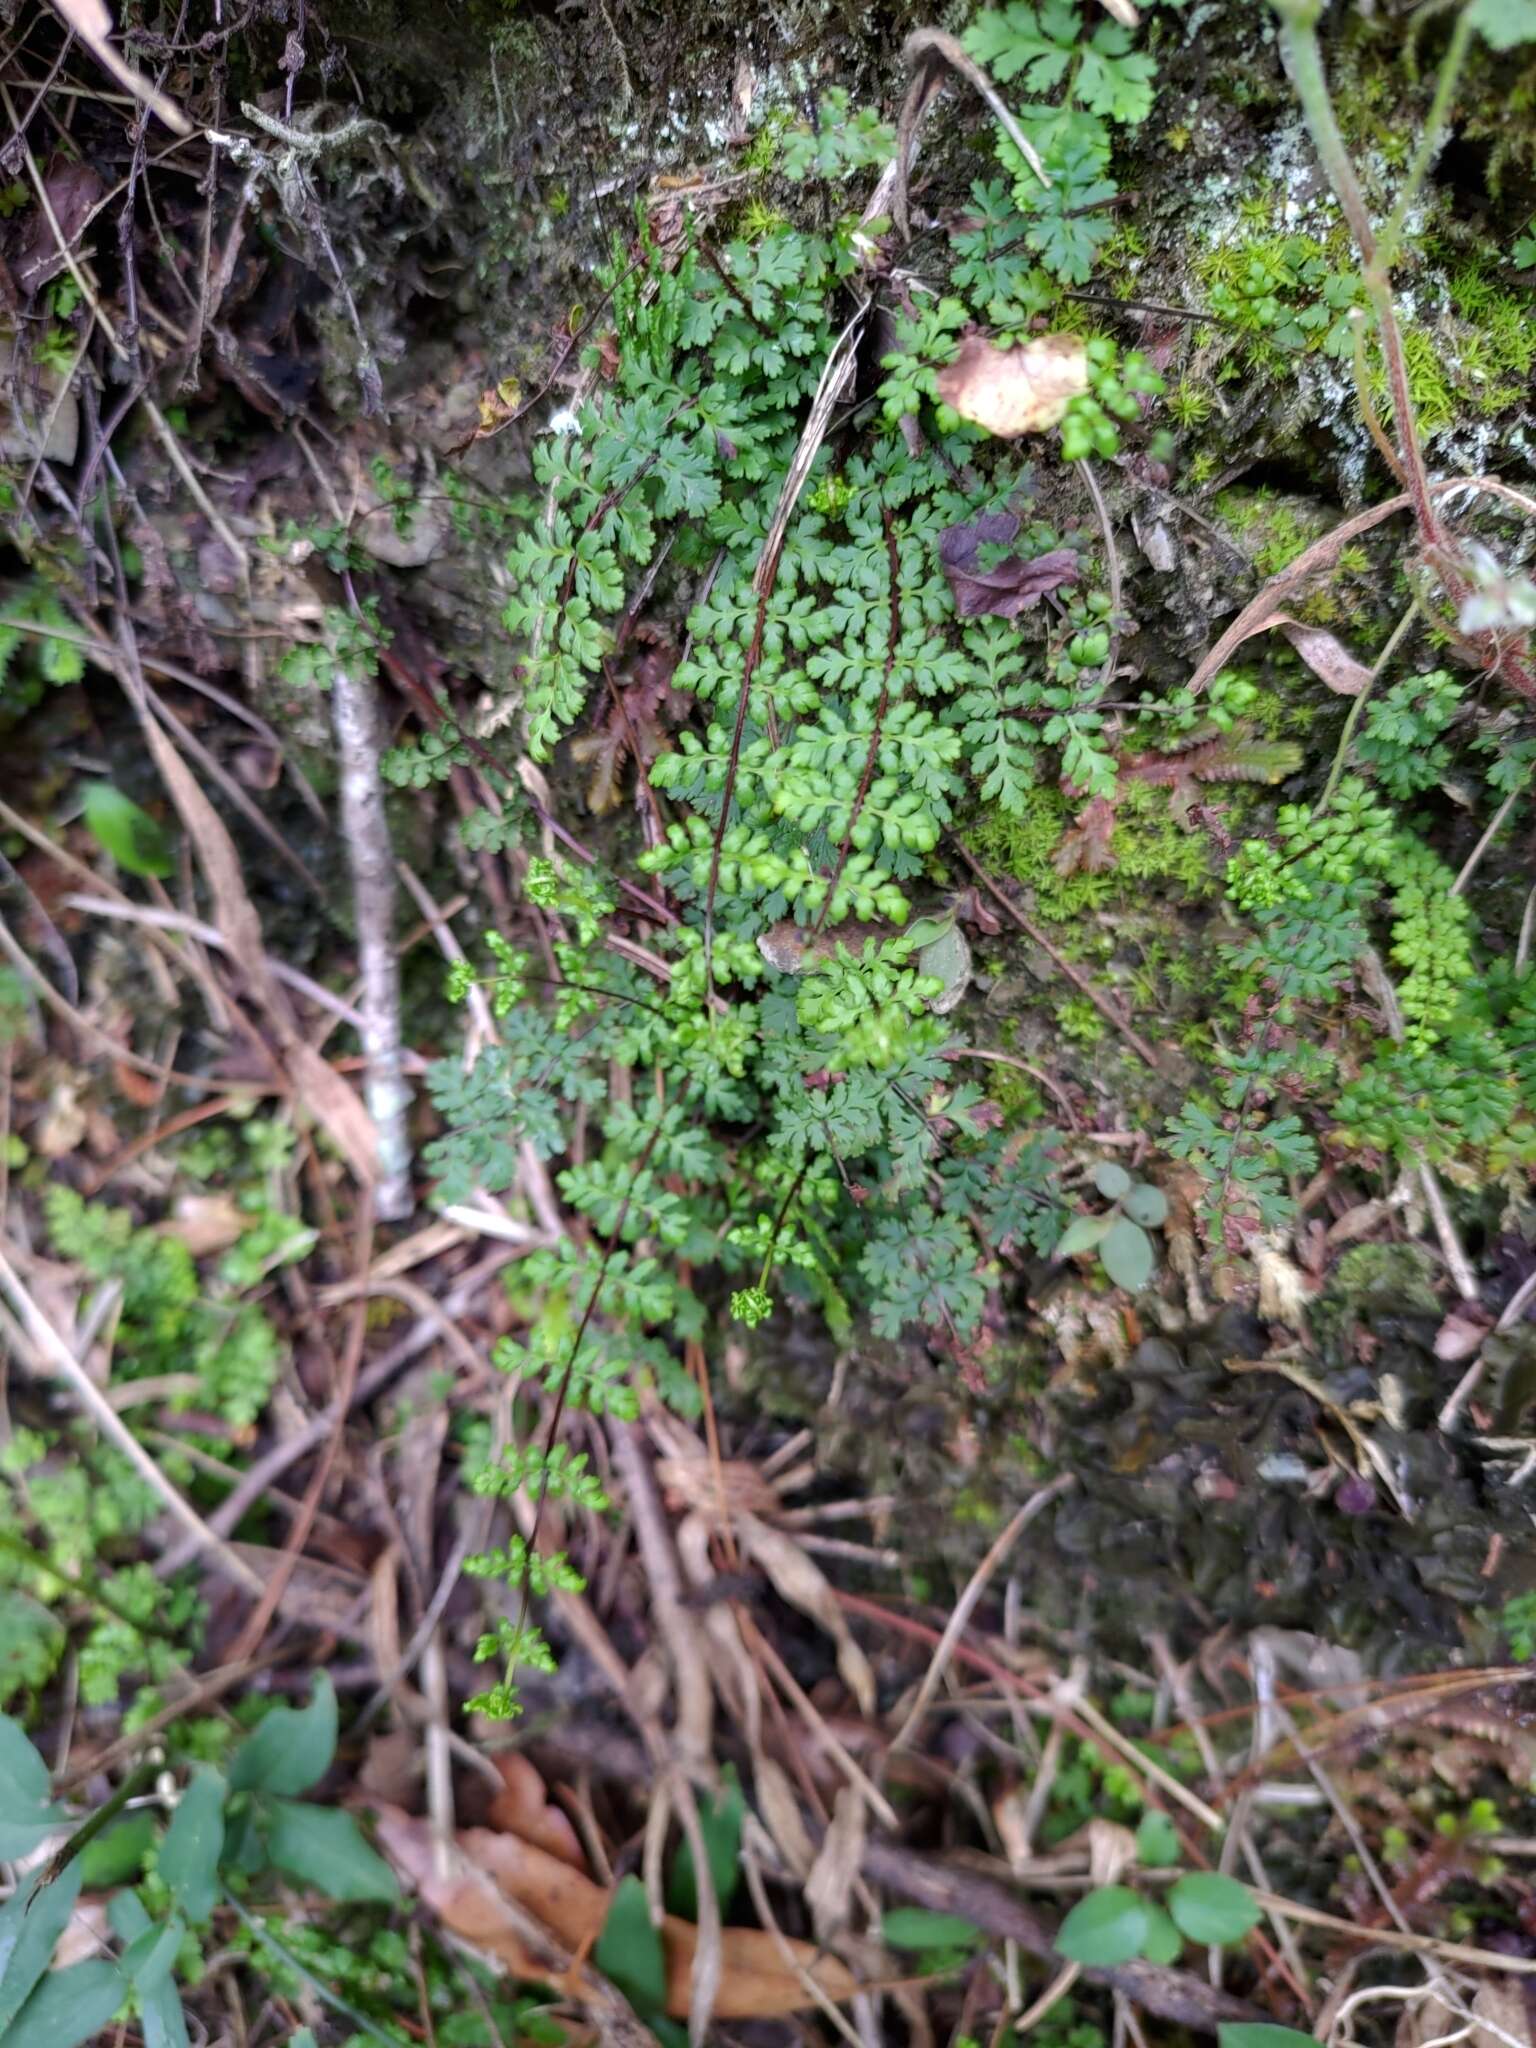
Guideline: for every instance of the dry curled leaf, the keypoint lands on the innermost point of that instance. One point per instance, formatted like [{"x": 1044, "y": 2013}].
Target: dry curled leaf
[
  {"x": 1329, "y": 660},
  {"x": 1013, "y": 585},
  {"x": 522, "y": 1808},
  {"x": 761, "y": 1976},
  {"x": 1012, "y": 391}
]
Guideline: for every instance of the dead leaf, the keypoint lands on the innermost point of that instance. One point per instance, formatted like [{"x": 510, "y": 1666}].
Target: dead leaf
[
  {"x": 522, "y": 1808},
  {"x": 781, "y": 1814},
  {"x": 39, "y": 415},
  {"x": 1499, "y": 2005},
  {"x": 640, "y": 712},
  {"x": 1013, "y": 585},
  {"x": 93, "y": 25},
  {"x": 61, "y": 1127},
  {"x": 791, "y": 948},
  {"x": 756, "y": 1982},
  {"x": 326, "y": 1597},
  {"x": 73, "y": 188},
  {"x": 829, "y": 1887},
  {"x": 1012, "y": 391},
  {"x": 1283, "y": 1289},
  {"x": 1086, "y": 847},
  {"x": 800, "y": 1582},
  {"x": 1461, "y": 1333},
  {"x": 1329, "y": 660},
  {"x": 392, "y": 1766},
  {"x": 206, "y": 1223},
  {"x": 1111, "y": 1850},
  {"x": 1260, "y": 612}
]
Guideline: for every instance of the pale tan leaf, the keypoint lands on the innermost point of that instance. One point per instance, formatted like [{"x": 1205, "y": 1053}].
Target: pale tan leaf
[
  {"x": 1329, "y": 660},
  {"x": 829, "y": 1887},
  {"x": 1283, "y": 1289},
  {"x": 780, "y": 1811},
  {"x": 1462, "y": 1333},
  {"x": 206, "y": 1223},
  {"x": 799, "y": 1582},
  {"x": 1012, "y": 391},
  {"x": 1111, "y": 1850}
]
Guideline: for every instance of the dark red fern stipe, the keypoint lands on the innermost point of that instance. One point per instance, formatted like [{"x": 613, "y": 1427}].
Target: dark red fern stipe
[
  {"x": 881, "y": 708},
  {"x": 767, "y": 572}
]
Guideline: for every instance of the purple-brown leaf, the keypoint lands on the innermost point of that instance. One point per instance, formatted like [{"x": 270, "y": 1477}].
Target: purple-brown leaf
[{"x": 1008, "y": 587}]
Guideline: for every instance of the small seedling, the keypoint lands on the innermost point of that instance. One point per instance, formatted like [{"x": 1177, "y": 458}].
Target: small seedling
[{"x": 1119, "y": 1236}]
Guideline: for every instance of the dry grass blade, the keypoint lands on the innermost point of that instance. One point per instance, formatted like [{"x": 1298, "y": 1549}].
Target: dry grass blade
[
  {"x": 803, "y": 1585},
  {"x": 57, "y": 1358},
  {"x": 966, "y": 1605},
  {"x": 925, "y": 48},
  {"x": 91, "y": 22},
  {"x": 335, "y": 1105}
]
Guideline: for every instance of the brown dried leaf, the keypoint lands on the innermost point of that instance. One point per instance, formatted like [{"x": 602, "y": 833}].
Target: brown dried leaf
[
  {"x": 73, "y": 188},
  {"x": 1012, "y": 391},
  {"x": 780, "y": 1811},
  {"x": 1086, "y": 848},
  {"x": 801, "y": 1583},
  {"x": 522, "y": 1808},
  {"x": 1010, "y": 586},
  {"x": 756, "y": 1980}
]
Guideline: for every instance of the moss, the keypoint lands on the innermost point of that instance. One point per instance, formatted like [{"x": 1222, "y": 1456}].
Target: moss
[
  {"x": 1273, "y": 529},
  {"x": 1078, "y": 1020},
  {"x": 1149, "y": 846}
]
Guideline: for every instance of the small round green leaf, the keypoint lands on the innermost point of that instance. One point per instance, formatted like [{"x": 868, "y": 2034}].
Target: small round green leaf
[
  {"x": 1107, "y": 1927},
  {"x": 1211, "y": 1908},
  {"x": 1127, "y": 1255},
  {"x": 132, "y": 837},
  {"x": 1157, "y": 1841},
  {"x": 917, "y": 1928},
  {"x": 1146, "y": 1205},
  {"x": 1164, "y": 1940},
  {"x": 1112, "y": 1181},
  {"x": 1082, "y": 1234}
]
